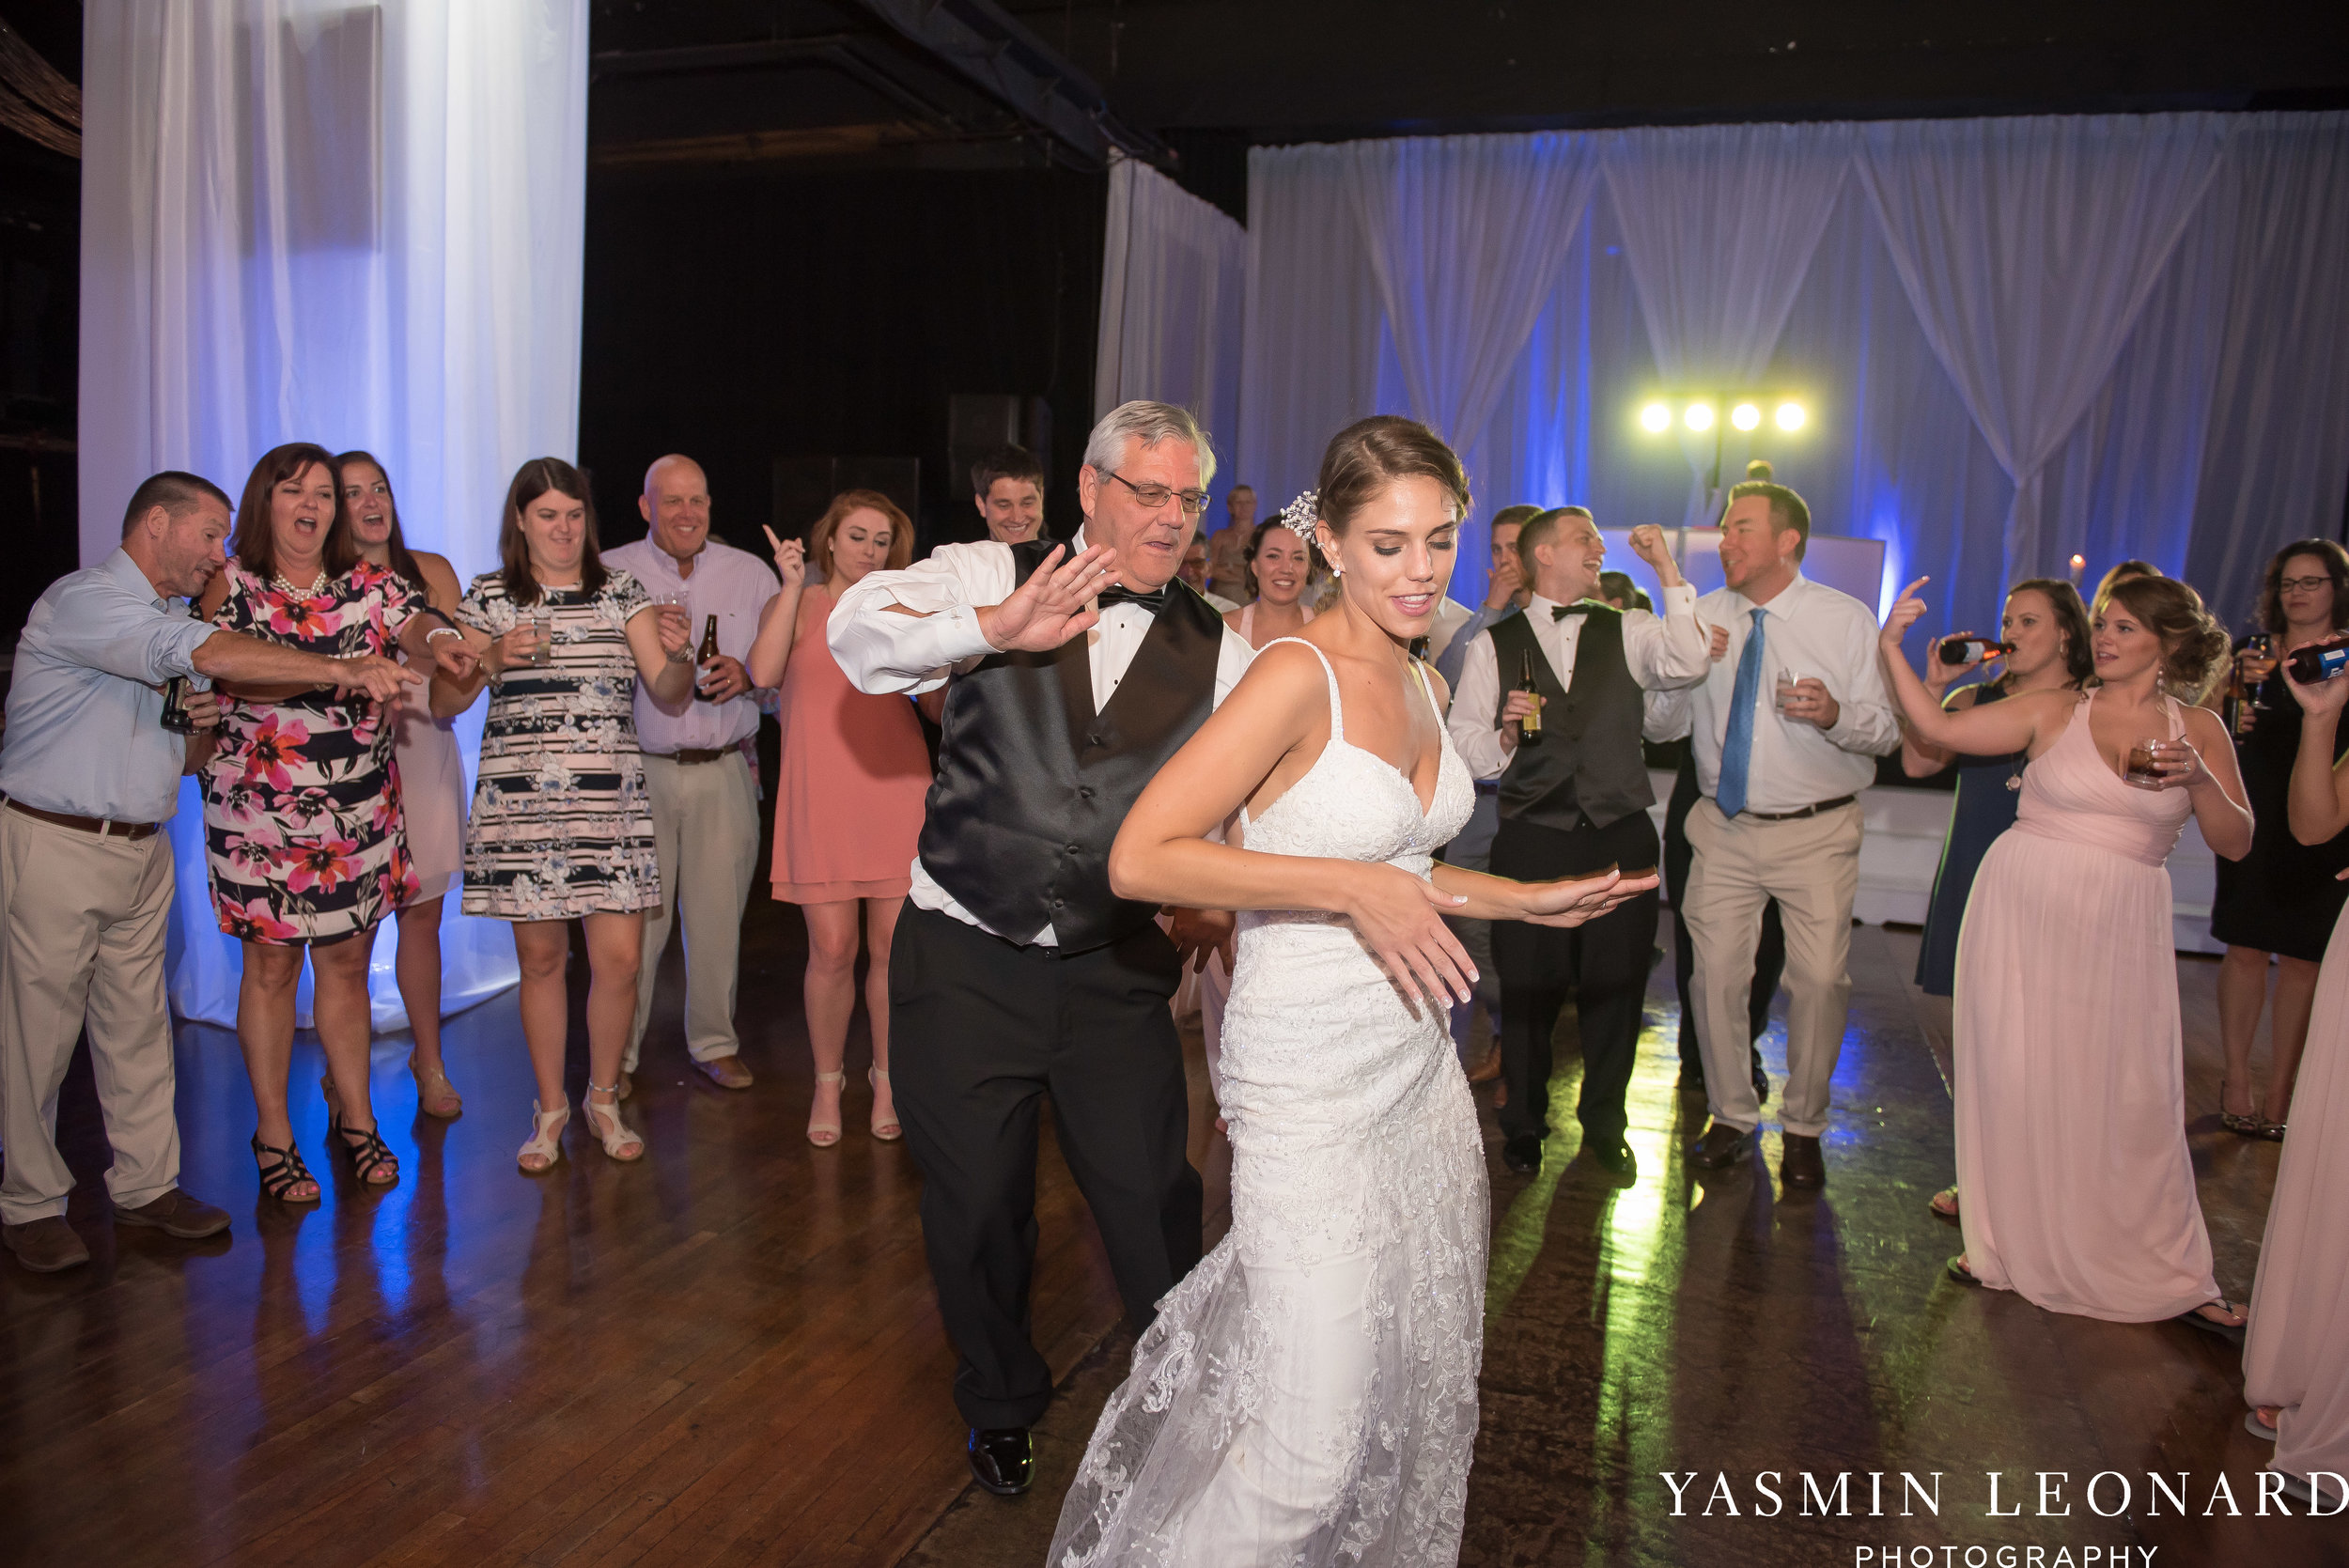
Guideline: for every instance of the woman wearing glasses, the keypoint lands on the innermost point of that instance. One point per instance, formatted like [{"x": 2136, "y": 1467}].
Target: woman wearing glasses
[{"x": 2281, "y": 899}]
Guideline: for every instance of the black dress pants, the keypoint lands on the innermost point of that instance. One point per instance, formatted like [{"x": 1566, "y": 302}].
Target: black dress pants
[
  {"x": 981, "y": 1031},
  {"x": 1769, "y": 958},
  {"x": 1603, "y": 965}
]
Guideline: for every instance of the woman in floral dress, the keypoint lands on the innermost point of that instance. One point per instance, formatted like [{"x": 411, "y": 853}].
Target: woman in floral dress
[
  {"x": 561, "y": 829},
  {"x": 301, "y": 817}
]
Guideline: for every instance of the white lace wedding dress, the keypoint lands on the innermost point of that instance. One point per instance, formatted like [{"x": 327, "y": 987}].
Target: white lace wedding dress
[{"x": 1308, "y": 1394}]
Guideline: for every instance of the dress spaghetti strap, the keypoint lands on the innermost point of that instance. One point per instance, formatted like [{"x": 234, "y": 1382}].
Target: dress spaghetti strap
[{"x": 1337, "y": 711}]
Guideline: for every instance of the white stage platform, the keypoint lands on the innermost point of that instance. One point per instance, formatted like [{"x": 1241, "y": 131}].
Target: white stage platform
[{"x": 1903, "y": 848}]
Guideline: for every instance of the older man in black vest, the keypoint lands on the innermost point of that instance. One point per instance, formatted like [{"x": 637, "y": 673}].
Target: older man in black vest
[
  {"x": 1573, "y": 801},
  {"x": 1016, "y": 974}
]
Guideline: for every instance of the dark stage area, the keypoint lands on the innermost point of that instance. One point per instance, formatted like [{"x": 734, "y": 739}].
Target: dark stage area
[{"x": 730, "y": 1354}]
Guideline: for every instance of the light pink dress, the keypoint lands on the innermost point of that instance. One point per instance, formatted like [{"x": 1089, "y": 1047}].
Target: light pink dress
[
  {"x": 432, "y": 791},
  {"x": 2071, "y": 1095},
  {"x": 2298, "y": 1352}
]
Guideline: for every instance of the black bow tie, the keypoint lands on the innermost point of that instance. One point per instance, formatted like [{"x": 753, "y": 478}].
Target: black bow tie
[
  {"x": 1153, "y": 601},
  {"x": 1559, "y": 611}
]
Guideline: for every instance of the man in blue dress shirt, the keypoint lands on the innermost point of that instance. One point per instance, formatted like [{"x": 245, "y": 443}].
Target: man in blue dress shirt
[{"x": 88, "y": 776}]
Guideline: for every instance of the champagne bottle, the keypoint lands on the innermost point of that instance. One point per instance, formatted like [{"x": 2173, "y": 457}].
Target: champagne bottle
[
  {"x": 1529, "y": 727},
  {"x": 2321, "y": 661},
  {"x": 176, "y": 718}
]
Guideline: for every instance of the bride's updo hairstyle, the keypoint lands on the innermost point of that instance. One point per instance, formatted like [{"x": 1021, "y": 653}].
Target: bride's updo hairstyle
[
  {"x": 1371, "y": 454},
  {"x": 2193, "y": 645}
]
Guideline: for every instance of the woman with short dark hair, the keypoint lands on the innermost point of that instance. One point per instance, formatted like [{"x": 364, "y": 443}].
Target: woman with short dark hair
[
  {"x": 561, "y": 829},
  {"x": 2280, "y": 900},
  {"x": 302, "y": 810}
]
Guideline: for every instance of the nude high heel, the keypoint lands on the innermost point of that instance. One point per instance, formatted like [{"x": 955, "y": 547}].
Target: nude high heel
[
  {"x": 620, "y": 1141},
  {"x": 888, "y": 1131},
  {"x": 546, "y": 1139},
  {"x": 825, "y": 1134}
]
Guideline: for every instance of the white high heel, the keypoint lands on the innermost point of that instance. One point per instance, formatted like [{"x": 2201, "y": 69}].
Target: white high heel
[
  {"x": 620, "y": 1141},
  {"x": 825, "y": 1134},
  {"x": 889, "y": 1131},
  {"x": 546, "y": 1139}
]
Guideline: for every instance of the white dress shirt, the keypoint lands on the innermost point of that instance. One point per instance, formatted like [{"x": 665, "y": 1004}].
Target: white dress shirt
[
  {"x": 732, "y": 584},
  {"x": 881, "y": 651},
  {"x": 1663, "y": 652},
  {"x": 1807, "y": 630}
]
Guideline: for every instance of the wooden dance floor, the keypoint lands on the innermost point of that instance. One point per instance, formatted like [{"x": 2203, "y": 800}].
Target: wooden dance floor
[{"x": 730, "y": 1354}]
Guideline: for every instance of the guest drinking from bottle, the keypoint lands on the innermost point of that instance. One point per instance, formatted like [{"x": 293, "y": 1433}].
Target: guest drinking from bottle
[
  {"x": 561, "y": 829},
  {"x": 301, "y": 809},
  {"x": 2071, "y": 1099}
]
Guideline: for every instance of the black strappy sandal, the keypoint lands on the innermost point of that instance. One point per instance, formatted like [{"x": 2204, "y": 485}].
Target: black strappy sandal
[
  {"x": 2232, "y": 1332},
  {"x": 288, "y": 1172},
  {"x": 368, "y": 1151}
]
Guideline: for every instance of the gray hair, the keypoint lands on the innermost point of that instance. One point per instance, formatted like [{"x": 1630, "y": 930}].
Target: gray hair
[{"x": 1149, "y": 424}]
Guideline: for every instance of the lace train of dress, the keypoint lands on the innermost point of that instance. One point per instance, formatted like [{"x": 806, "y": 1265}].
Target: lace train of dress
[{"x": 1308, "y": 1394}]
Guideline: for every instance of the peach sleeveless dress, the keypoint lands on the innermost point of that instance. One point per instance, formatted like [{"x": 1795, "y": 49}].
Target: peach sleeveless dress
[
  {"x": 852, "y": 782},
  {"x": 2298, "y": 1352},
  {"x": 2070, "y": 1085}
]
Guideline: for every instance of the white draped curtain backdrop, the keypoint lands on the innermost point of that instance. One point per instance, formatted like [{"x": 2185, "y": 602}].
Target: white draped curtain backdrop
[
  {"x": 2018, "y": 338},
  {"x": 356, "y": 225},
  {"x": 1173, "y": 284}
]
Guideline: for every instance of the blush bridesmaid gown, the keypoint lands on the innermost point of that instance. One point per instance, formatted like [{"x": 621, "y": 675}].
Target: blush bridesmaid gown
[
  {"x": 2070, "y": 1085},
  {"x": 2297, "y": 1352}
]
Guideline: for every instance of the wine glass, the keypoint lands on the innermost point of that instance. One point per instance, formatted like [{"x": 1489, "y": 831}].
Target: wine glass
[{"x": 2259, "y": 663}]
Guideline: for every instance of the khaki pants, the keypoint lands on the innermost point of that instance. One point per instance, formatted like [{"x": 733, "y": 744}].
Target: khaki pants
[
  {"x": 705, "y": 821},
  {"x": 1811, "y": 866},
  {"x": 82, "y": 924}
]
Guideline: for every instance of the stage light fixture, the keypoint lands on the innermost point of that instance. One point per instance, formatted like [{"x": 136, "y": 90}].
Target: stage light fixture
[
  {"x": 1657, "y": 418},
  {"x": 1790, "y": 417},
  {"x": 1699, "y": 416},
  {"x": 1744, "y": 416}
]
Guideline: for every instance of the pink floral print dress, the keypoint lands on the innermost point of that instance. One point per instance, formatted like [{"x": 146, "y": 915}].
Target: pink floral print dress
[{"x": 302, "y": 815}]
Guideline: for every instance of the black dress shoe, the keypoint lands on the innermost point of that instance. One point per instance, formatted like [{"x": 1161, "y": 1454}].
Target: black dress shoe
[
  {"x": 1523, "y": 1153},
  {"x": 1003, "y": 1459},
  {"x": 1615, "y": 1157},
  {"x": 1761, "y": 1086},
  {"x": 1691, "y": 1081},
  {"x": 1800, "y": 1166},
  {"x": 1721, "y": 1147}
]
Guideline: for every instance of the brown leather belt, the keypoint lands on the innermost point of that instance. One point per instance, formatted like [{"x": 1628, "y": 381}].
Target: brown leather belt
[
  {"x": 102, "y": 827},
  {"x": 690, "y": 754},
  {"x": 1836, "y": 804}
]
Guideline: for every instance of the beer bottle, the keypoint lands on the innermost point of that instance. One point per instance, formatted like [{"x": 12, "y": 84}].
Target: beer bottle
[
  {"x": 2321, "y": 661},
  {"x": 709, "y": 650},
  {"x": 1971, "y": 650},
  {"x": 176, "y": 717},
  {"x": 1529, "y": 727},
  {"x": 2233, "y": 703}
]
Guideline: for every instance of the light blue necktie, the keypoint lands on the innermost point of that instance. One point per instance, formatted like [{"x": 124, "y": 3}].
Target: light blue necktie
[{"x": 1738, "y": 751}]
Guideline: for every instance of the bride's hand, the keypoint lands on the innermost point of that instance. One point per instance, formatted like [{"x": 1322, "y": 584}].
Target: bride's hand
[
  {"x": 1574, "y": 901},
  {"x": 1399, "y": 918}
]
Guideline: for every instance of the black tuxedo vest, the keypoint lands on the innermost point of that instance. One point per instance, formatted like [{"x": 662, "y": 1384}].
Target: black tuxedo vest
[
  {"x": 1033, "y": 784},
  {"x": 1588, "y": 764}
]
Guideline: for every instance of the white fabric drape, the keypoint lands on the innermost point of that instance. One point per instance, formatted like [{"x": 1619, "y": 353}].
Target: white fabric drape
[
  {"x": 357, "y": 225},
  {"x": 1720, "y": 223},
  {"x": 2028, "y": 247},
  {"x": 1310, "y": 361},
  {"x": 1466, "y": 235},
  {"x": 1174, "y": 283},
  {"x": 2151, "y": 332}
]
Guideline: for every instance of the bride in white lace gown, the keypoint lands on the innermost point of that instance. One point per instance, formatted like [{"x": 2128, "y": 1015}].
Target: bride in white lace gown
[{"x": 1308, "y": 1394}]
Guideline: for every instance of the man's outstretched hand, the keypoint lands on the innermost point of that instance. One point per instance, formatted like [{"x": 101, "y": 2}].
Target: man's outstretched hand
[{"x": 1052, "y": 605}]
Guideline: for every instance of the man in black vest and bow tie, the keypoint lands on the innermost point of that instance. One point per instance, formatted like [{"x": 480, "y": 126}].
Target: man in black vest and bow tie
[
  {"x": 1077, "y": 672},
  {"x": 1573, "y": 802}
]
